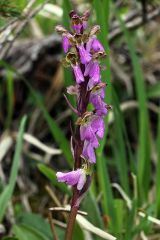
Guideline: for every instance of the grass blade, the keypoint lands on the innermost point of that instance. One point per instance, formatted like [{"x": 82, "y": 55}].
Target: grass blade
[
  {"x": 55, "y": 130},
  {"x": 120, "y": 147},
  {"x": 158, "y": 171},
  {"x": 8, "y": 191},
  {"x": 10, "y": 100},
  {"x": 102, "y": 13},
  {"x": 143, "y": 166}
]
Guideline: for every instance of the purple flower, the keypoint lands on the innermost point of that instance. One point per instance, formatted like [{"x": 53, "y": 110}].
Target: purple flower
[
  {"x": 97, "y": 46},
  {"x": 87, "y": 133},
  {"x": 76, "y": 21},
  {"x": 85, "y": 19},
  {"x": 92, "y": 82},
  {"x": 88, "y": 152},
  {"x": 77, "y": 27},
  {"x": 85, "y": 56},
  {"x": 93, "y": 71},
  {"x": 85, "y": 25},
  {"x": 89, "y": 44},
  {"x": 78, "y": 73},
  {"x": 94, "y": 44},
  {"x": 95, "y": 94},
  {"x": 100, "y": 106},
  {"x": 72, "y": 178},
  {"x": 98, "y": 126},
  {"x": 65, "y": 42}
]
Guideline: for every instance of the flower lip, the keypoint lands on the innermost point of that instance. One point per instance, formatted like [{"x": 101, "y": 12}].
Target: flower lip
[
  {"x": 78, "y": 73},
  {"x": 65, "y": 42},
  {"x": 85, "y": 56},
  {"x": 88, "y": 152},
  {"x": 75, "y": 177}
]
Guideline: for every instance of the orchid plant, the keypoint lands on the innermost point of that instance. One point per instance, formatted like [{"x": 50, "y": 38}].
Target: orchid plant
[{"x": 83, "y": 54}]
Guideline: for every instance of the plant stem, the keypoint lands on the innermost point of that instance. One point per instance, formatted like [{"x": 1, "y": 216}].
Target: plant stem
[
  {"x": 78, "y": 148},
  {"x": 71, "y": 223}
]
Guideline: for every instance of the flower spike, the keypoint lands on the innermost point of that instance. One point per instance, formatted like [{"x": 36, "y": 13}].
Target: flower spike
[{"x": 83, "y": 54}]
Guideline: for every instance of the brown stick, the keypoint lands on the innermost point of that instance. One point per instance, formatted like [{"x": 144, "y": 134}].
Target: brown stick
[{"x": 52, "y": 226}]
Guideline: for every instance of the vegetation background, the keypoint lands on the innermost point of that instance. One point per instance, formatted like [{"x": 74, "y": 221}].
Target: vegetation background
[{"x": 124, "y": 198}]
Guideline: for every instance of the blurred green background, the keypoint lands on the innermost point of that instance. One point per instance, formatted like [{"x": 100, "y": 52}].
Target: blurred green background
[{"x": 124, "y": 198}]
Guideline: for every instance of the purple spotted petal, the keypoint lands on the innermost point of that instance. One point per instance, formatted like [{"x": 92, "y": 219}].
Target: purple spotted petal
[
  {"x": 77, "y": 27},
  {"x": 102, "y": 93},
  {"x": 93, "y": 70},
  {"x": 100, "y": 107},
  {"x": 65, "y": 43},
  {"x": 87, "y": 133},
  {"x": 98, "y": 126},
  {"x": 88, "y": 152},
  {"x": 85, "y": 25},
  {"x": 92, "y": 82},
  {"x": 94, "y": 96},
  {"x": 97, "y": 46},
  {"x": 85, "y": 56},
  {"x": 94, "y": 44},
  {"x": 70, "y": 178},
  {"x": 88, "y": 68},
  {"x": 89, "y": 44},
  {"x": 78, "y": 74},
  {"x": 82, "y": 180}
]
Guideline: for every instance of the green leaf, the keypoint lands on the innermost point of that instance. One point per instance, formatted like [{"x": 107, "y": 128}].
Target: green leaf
[
  {"x": 51, "y": 175},
  {"x": 25, "y": 232},
  {"x": 78, "y": 233},
  {"x": 9, "y": 238},
  {"x": 120, "y": 213},
  {"x": 67, "y": 7},
  {"x": 37, "y": 222},
  {"x": 8, "y": 191},
  {"x": 90, "y": 205}
]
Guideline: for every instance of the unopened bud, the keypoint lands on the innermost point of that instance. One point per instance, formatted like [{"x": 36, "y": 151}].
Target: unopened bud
[
  {"x": 95, "y": 30},
  {"x": 73, "y": 90},
  {"x": 60, "y": 29}
]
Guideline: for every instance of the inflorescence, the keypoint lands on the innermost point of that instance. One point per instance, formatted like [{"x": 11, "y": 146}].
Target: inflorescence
[{"x": 83, "y": 54}]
